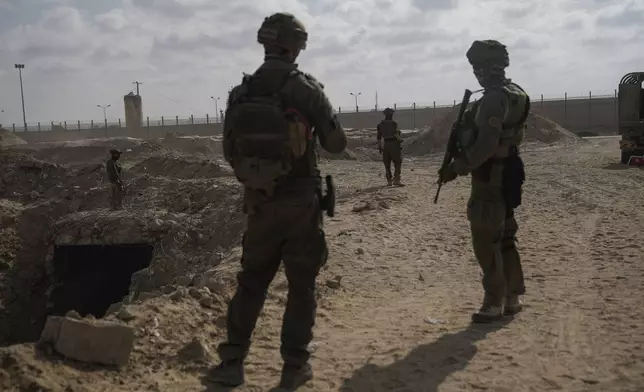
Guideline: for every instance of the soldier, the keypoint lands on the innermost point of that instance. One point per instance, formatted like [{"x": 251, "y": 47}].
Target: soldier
[
  {"x": 489, "y": 140},
  {"x": 390, "y": 146},
  {"x": 269, "y": 143},
  {"x": 114, "y": 176}
]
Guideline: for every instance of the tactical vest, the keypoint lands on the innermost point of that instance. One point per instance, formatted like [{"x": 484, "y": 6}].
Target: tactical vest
[
  {"x": 388, "y": 129},
  {"x": 513, "y": 124}
]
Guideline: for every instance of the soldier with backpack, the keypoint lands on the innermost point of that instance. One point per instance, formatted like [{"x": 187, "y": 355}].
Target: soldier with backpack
[
  {"x": 390, "y": 146},
  {"x": 273, "y": 120}
]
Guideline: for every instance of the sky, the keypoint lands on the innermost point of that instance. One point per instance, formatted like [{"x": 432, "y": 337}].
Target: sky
[{"x": 82, "y": 53}]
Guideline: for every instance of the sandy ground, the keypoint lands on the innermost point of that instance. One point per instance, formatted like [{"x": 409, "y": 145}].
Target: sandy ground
[{"x": 399, "y": 321}]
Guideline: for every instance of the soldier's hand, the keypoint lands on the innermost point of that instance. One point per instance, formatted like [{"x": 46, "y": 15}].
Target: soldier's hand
[
  {"x": 380, "y": 149},
  {"x": 447, "y": 174}
]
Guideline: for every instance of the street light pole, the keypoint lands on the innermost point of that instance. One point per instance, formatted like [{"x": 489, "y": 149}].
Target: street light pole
[
  {"x": 104, "y": 113},
  {"x": 356, "y": 98},
  {"x": 216, "y": 107},
  {"x": 20, "y": 67}
]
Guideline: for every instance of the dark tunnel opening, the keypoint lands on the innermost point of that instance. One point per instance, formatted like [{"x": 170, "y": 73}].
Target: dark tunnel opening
[{"x": 89, "y": 278}]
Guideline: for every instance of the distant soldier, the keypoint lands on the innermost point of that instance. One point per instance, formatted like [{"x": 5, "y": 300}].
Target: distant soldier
[
  {"x": 273, "y": 122},
  {"x": 489, "y": 140},
  {"x": 114, "y": 176},
  {"x": 390, "y": 146}
]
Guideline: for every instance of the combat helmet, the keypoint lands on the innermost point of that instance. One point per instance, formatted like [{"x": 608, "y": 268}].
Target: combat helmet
[
  {"x": 114, "y": 151},
  {"x": 488, "y": 52},
  {"x": 388, "y": 112},
  {"x": 283, "y": 30}
]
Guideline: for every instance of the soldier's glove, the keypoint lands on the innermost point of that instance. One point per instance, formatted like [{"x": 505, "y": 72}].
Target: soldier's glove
[
  {"x": 447, "y": 174},
  {"x": 460, "y": 166}
]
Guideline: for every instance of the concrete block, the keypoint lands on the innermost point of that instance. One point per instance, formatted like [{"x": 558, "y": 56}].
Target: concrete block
[
  {"x": 103, "y": 342},
  {"x": 52, "y": 330}
]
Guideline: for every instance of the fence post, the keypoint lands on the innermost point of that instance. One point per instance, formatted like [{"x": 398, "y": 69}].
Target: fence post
[
  {"x": 565, "y": 124},
  {"x": 541, "y": 101},
  {"x": 38, "y": 126},
  {"x": 162, "y": 121},
  {"x": 192, "y": 119},
  {"x": 78, "y": 125},
  {"x": 52, "y": 125},
  {"x": 65, "y": 125},
  {"x": 14, "y": 128},
  {"x": 177, "y": 119},
  {"x": 590, "y": 103},
  {"x": 106, "y": 126},
  {"x": 615, "y": 114},
  {"x": 394, "y": 106},
  {"x": 454, "y": 102},
  {"x": 92, "y": 124},
  {"x": 147, "y": 119},
  {"x": 120, "y": 123},
  {"x": 207, "y": 119},
  {"x": 414, "y": 112},
  {"x": 434, "y": 112}
]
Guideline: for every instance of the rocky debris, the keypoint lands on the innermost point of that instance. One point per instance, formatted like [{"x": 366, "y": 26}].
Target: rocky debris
[
  {"x": 195, "y": 293},
  {"x": 8, "y": 138},
  {"x": 102, "y": 342},
  {"x": 213, "y": 283},
  {"x": 182, "y": 166},
  {"x": 113, "y": 309},
  {"x": 207, "y": 302},
  {"x": 334, "y": 283},
  {"x": 125, "y": 314},
  {"x": 184, "y": 280},
  {"x": 195, "y": 351},
  {"x": 179, "y": 294}
]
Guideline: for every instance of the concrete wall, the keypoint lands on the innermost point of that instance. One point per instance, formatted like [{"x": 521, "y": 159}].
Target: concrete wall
[{"x": 579, "y": 115}]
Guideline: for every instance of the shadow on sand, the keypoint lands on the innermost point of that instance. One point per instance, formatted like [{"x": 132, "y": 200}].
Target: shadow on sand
[{"x": 425, "y": 367}]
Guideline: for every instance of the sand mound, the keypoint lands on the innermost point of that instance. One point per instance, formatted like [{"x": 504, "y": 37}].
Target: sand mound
[
  {"x": 9, "y": 139},
  {"x": 91, "y": 150},
  {"x": 206, "y": 145},
  {"x": 182, "y": 166},
  {"x": 434, "y": 138}
]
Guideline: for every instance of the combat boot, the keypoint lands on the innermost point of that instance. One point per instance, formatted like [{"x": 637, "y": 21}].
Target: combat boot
[
  {"x": 398, "y": 183},
  {"x": 294, "y": 376},
  {"x": 229, "y": 373},
  {"x": 389, "y": 182},
  {"x": 513, "y": 305},
  {"x": 489, "y": 312}
]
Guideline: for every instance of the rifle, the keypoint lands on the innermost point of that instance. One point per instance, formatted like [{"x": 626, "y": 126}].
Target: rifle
[{"x": 452, "y": 142}]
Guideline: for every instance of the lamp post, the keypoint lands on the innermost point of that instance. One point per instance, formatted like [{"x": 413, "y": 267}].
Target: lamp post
[
  {"x": 20, "y": 67},
  {"x": 216, "y": 107},
  {"x": 104, "y": 107},
  {"x": 355, "y": 95},
  {"x": 137, "y": 86}
]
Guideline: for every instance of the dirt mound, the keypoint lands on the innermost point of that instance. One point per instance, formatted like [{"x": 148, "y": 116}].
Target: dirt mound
[
  {"x": 206, "y": 145},
  {"x": 182, "y": 166},
  {"x": 433, "y": 139},
  {"x": 9, "y": 139},
  {"x": 91, "y": 150}
]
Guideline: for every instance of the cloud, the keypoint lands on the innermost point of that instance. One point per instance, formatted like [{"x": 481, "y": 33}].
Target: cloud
[{"x": 80, "y": 53}]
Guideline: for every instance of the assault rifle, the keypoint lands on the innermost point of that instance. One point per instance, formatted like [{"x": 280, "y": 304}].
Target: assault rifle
[{"x": 452, "y": 142}]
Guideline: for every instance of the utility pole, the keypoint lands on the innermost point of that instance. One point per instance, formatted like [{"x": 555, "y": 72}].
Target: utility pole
[
  {"x": 356, "y": 98},
  {"x": 104, "y": 112},
  {"x": 137, "y": 86},
  {"x": 376, "y": 100},
  {"x": 216, "y": 107},
  {"x": 20, "y": 67}
]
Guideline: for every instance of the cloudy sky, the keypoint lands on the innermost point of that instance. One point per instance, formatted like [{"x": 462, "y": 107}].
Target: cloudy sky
[{"x": 82, "y": 53}]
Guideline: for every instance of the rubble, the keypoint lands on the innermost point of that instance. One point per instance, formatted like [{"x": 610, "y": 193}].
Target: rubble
[{"x": 101, "y": 342}]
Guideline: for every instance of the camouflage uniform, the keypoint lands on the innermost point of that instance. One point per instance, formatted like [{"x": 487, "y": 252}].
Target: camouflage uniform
[
  {"x": 285, "y": 226},
  {"x": 494, "y": 128},
  {"x": 114, "y": 176},
  {"x": 390, "y": 145}
]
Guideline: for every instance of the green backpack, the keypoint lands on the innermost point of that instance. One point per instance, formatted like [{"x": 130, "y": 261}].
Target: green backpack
[{"x": 267, "y": 134}]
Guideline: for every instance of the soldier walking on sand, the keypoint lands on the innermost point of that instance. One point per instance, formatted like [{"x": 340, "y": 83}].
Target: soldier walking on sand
[
  {"x": 114, "y": 176},
  {"x": 489, "y": 150},
  {"x": 390, "y": 146},
  {"x": 272, "y": 122}
]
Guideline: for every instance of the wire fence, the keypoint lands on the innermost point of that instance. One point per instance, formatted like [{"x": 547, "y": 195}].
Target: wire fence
[{"x": 537, "y": 102}]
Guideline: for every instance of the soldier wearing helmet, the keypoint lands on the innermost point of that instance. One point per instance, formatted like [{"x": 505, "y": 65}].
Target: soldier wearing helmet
[
  {"x": 489, "y": 143},
  {"x": 273, "y": 122},
  {"x": 390, "y": 146},
  {"x": 114, "y": 177}
]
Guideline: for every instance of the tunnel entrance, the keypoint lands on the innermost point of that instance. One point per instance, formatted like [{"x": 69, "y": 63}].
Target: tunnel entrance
[{"x": 92, "y": 277}]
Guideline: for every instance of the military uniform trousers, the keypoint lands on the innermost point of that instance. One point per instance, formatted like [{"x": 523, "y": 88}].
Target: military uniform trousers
[
  {"x": 116, "y": 196},
  {"x": 286, "y": 230},
  {"x": 392, "y": 152},
  {"x": 494, "y": 229}
]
